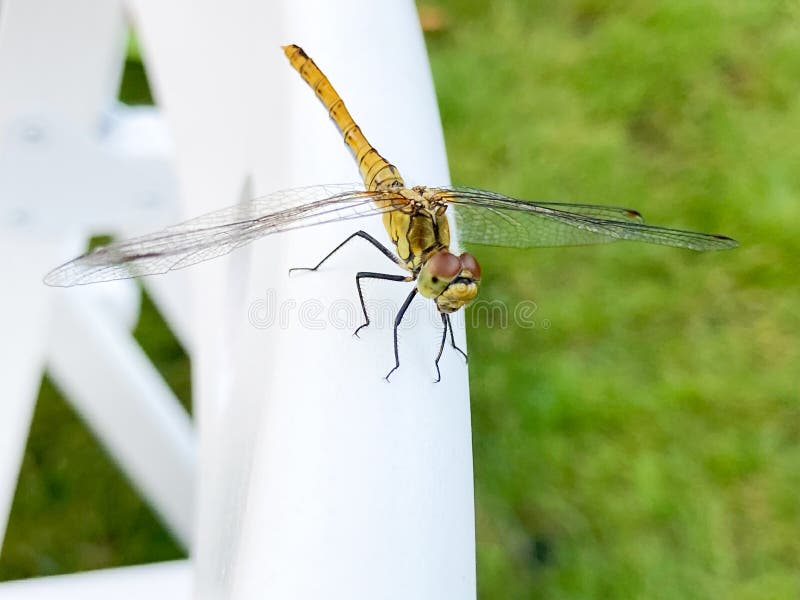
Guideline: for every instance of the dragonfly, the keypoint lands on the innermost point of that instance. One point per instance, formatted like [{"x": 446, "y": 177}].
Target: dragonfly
[{"x": 415, "y": 219}]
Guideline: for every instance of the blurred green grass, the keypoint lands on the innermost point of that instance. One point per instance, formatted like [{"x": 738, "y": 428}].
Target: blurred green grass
[
  {"x": 646, "y": 443},
  {"x": 643, "y": 439}
]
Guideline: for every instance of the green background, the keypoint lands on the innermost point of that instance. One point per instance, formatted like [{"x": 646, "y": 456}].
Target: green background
[{"x": 643, "y": 439}]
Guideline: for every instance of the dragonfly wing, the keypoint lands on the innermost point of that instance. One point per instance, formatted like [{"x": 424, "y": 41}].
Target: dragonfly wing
[
  {"x": 219, "y": 232},
  {"x": 497, "y": 220}
]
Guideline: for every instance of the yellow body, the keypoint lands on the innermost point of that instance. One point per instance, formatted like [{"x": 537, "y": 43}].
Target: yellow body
[
  {"x": 376, "y": 171},
  {"x": 416, "y": 232},
  {"x": 420, "y": 229}
]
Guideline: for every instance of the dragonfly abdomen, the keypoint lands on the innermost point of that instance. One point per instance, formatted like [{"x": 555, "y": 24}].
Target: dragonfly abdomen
[{"x": 376, "y": 171}]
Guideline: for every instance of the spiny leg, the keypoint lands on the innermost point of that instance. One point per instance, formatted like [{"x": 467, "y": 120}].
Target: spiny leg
[
  {"x": 452, "y": 338},
  {"x": 397, "y": 321},
  {"x": 369, "y": 275},
  {"x": 362, "y": 234},
  {"x": 446, "y": 323}
]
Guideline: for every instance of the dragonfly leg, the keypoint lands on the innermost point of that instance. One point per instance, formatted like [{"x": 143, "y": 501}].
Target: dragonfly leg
[
  {"x": 362, "y": 234},
  {"x": 369, "y": 275},
  {"x": 452, "y": 338},
  {"x": 446, "y": 323},
  {"x": 397, "y": 321}
]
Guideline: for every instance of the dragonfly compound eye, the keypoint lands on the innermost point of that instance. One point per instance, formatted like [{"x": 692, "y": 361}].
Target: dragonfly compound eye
[
  {"x": 444, "y": 265},
  {"x": 469, "y": 266},
  {"x": 463, "y": 288},
  {"x": 437, "y": 273}
]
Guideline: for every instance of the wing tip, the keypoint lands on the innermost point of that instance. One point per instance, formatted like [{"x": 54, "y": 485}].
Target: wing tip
[
  {"x": 51, "y": 280},
  {"x": 713, "y": 241},
  {"x": 57, "y": 277},
  {"x": 726, "y": 242}
]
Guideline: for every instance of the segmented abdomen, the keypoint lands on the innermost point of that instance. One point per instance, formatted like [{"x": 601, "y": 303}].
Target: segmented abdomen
[{"x": 376, "y": 171}]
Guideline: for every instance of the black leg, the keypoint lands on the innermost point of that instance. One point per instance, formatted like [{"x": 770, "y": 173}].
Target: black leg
[
  {"x": 397, "y": 321},
  {"x": 369, "y": 275},
  {"x": 362, "y": 234},
  {"x": 446, "y": 323},
  {"x": 453, "y": 339}
]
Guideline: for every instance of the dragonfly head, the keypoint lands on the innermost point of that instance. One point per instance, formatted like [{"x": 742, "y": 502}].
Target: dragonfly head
[{"x": 452, "y": 281}]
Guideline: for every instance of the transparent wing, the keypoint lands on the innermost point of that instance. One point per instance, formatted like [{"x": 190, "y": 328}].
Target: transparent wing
[
  {"x": 496, "y": 220},
  {"x": 219, "y": 232}
]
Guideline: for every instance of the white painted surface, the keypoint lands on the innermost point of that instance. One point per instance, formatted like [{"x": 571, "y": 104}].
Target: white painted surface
[
  {"x": 30, "y": 117},
  {"x": 317, "y": 478},
  {"x": 157, "y": 581},
  {"x": 357, "y": 488},
  {"x": 111, "y": 383},
  {"x": 24, "y": 317},
  {"x": 73, "y": 162}
]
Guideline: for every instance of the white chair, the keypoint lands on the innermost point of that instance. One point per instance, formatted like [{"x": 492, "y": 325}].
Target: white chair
[
  {"x": 72, "y": 162},
  {"x": 316, "y": 477}
]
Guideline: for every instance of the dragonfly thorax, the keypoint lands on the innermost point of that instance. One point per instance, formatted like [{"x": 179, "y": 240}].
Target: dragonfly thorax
[
  {"x": 422, "y": 198},
  {"x": 418, "y": 227},
  {"x": 452, "y": 281}
]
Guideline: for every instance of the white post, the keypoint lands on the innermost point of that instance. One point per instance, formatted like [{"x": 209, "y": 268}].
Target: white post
[
  {"x": 318, "y": 478},
  {"x": 50, "y": 88},
  {"x": 23, "y": 321},
  {"x": 71, "y": 163}
]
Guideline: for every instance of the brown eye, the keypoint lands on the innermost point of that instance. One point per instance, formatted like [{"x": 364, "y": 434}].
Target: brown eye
[
  {"x": 444, "y": 265},
  {"x": 468, "y": 263}
]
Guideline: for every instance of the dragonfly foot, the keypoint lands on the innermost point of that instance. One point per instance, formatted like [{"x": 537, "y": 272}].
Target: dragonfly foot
[
  {"x": 390, "y": 372},
  {"x": 359, "y": 328},
  {"x": 464, "y": 354},
  {"x": 449, "y": 326},
  {"x": 293, "y": 269}
]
